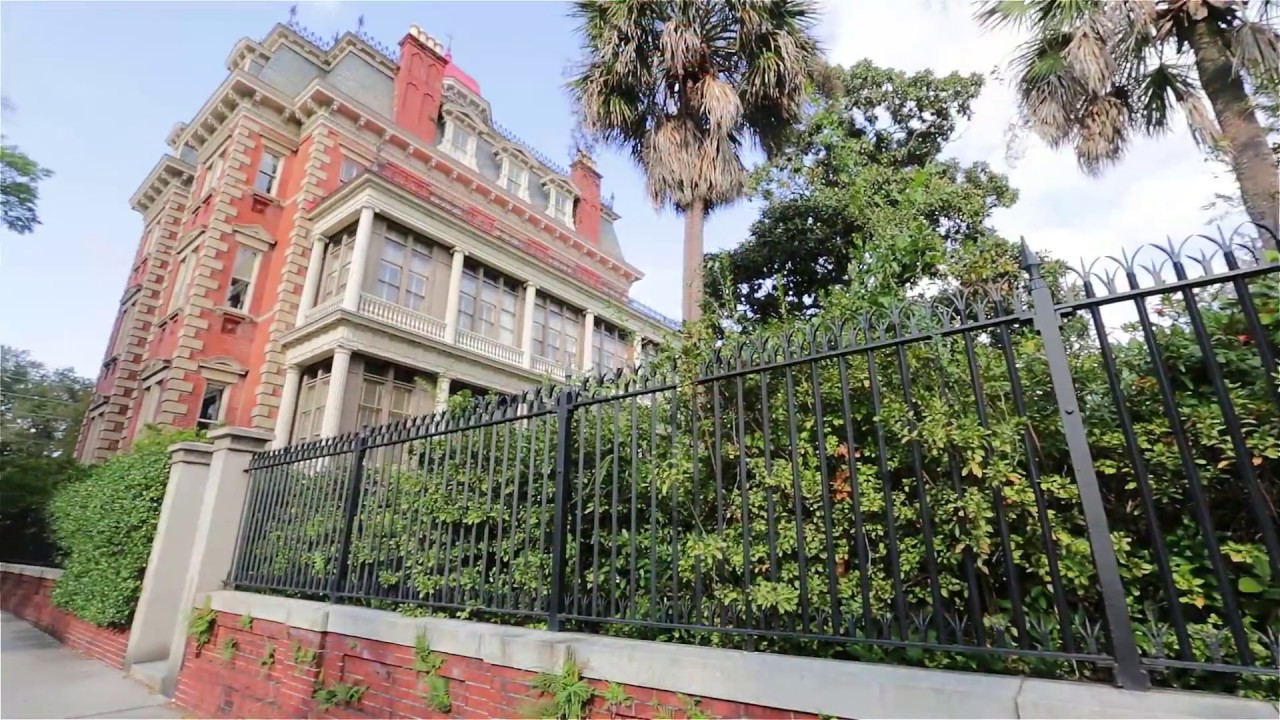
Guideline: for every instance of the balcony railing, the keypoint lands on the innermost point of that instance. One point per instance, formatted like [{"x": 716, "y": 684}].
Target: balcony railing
[
  {"x": 324, "y": 308},
  {"x": 490, "y": 347},
  {"x": 401, "y": 317},
  {"x": 545, "y": 366}
]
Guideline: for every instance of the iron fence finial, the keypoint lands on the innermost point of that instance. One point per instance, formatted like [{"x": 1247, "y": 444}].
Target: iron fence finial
[{"x": 1030, "y": 260}]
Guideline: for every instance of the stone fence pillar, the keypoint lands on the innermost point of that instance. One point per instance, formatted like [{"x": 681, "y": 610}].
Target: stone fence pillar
[
  {"x": 213, "y": 542},
  {"x": 159, "y": 608}
]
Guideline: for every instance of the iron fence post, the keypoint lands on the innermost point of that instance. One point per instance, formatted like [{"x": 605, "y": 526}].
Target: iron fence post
[
  {"x": 564, "y": 435},
  {"x": 350, "y": 505},
  {"x": 1129, "y": 671}
]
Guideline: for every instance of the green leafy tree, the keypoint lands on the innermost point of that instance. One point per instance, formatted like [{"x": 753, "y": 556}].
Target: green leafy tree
[
  {"x": 685, "y": 86},
  {"x": 20, "y": 178},
  {"x": 1094, "y": 73},
  {"x": 40, "y": 413},
  {"x": 864, "y": 196}
]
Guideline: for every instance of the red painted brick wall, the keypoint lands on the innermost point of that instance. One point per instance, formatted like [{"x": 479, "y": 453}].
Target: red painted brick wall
[
  {"x": 28, "y": 597},
  {"x": 212, "y": 686}
]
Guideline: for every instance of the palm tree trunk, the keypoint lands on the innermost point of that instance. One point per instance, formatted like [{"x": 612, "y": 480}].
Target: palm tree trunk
[
  {"x": 694, "y": 218},
  {"x": 1251, "y": 158}
]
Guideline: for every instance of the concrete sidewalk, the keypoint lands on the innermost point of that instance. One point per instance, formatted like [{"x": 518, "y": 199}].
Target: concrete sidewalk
[{"x": 39, "y": 678}]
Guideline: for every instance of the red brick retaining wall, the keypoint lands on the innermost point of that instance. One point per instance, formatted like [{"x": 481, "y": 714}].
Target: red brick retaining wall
[
  {"x": 29, "y": 597},
  {"x": 211, "y": 685}
]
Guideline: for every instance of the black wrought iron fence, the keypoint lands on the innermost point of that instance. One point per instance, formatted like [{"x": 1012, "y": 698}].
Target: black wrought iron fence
[
  {"x": 1072, "y": 485},
  {"x": 25, "y": 539}
]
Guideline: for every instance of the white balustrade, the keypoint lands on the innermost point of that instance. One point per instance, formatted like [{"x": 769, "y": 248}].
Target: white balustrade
[
  {"x": 401, "y": 317},
  {"x": 545, "y": 366},
  {"x": 324, "y": 308},
  {"x": 489, "y": 346}
]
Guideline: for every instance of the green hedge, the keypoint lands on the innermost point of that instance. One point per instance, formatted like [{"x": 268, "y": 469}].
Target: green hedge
[{"x": 104, "y": 524}]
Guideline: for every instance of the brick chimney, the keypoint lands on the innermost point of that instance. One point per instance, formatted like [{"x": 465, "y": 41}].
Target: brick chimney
[
  {"x": 419, "y": 84},
  {"x": 585, "y": 179}
]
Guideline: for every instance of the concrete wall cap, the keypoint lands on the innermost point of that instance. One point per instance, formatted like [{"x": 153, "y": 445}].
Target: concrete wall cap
[
  {"x": 237, "y": 438},
  {"x": 194, "y": 453},
  {"x": 302, "y": 614},
  {"x": 31, "y": 570}
]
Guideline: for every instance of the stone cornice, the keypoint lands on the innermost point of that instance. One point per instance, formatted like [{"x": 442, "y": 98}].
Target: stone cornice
[
  {"x": 240, "y": 88},
  {"x": 168, "y": 173},
  {"x": 319, "y": 99},
  {"x": 244, "y": 50}
]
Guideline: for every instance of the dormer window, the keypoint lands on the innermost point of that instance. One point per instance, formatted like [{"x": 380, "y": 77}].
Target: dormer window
[
  {"x": 460, "y": 142},
  {"x": 560, "y": 206},
  {"x": 515, "y": 178}
]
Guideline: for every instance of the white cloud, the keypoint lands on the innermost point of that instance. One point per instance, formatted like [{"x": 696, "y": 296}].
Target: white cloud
[{"x": 1159, "y": 189}]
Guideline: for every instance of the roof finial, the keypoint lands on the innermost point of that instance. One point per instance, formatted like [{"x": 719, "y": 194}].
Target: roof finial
[
  {"x": 360, "y": 23},
  {"x": 293, "y": 13}
]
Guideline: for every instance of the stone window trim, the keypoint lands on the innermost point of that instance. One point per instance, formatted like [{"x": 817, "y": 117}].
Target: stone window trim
[
  {"x": 559, "y": 191},
  {"x": 456, "y": 122},
  {"x": 269, "y": 171},
  {"x": 219, "y": 374},
  {"x": 239, "y": 293},
  {"x": 255, "y": 237},
  {"x": 153, "y": 371},
  {"x": 184, "y": 274}
]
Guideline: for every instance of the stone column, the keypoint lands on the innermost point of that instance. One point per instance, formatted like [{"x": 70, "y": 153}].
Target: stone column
[
  {"x": 311, "y": 285},
  {"x": 288, "y": 403},
  {"x": 332, "y": 420},
  {"x": 455, "y": 289},
  {"x": 217, "y": 527},
  {"x": 526, "y": 329},
  {"x": 160, "y": 610},
  {"x": 441, "y": 401},
  {"x": 588, "y": 340},
  {"x": 359, "y": 261}
]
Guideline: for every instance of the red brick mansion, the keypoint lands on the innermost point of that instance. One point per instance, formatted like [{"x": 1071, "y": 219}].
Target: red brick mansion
[{"x": 343, "y": 236}]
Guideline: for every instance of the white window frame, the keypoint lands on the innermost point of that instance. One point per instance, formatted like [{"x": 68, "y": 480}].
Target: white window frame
[
  {"x": 225, "y": 391},
  {"x": 273, "y": 185},
  {"x": 467, "y": 154},
  {"x": 150, "y": 404},
  {"x": 181, "y": 281},
  {"x": 522, "y": 189},
  {"x": 249, "y": 282},
  {"x": 349, "y": 163},
  {"x": 211, "y": 176},
  {"x": 554, "y": 195}
]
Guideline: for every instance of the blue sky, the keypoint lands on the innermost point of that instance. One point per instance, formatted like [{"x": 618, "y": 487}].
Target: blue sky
[{"x": 99, "y": 85}]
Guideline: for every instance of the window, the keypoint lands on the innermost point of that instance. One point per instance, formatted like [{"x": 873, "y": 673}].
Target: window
[
  {"x": 211, "y": 405},
  {"x": 211, "y": 176},
  {"x": 460, "y": 143},
  {"x": 487, "y": 304},
  {"x": 388, "y": 394},
  {"x": 609, "y": 347},
  {"x": 182, "y": 281},
  {"x": 515, "y": 178},
  {"x": 404, "y": 269},
  {"x": 240, "y": 291},
  {"x": 556, "y": 328},
  {"x": 122, "y": 331},
  {"x": 268, "y": 179},
  {"x": 150, "y": 401},
  {"x": 337, "y": 265},
  {"x": 350, "y": 169},
  {"x": 560, "y": 206},
  {"x": 312, "y": 394}
]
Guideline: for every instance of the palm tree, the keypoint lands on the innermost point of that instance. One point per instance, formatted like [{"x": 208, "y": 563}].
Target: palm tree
[
  {"x": 685, "y": 86},
  {"x": 1094, "y": 72}
]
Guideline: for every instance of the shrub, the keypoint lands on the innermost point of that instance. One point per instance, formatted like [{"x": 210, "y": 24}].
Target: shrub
[{"x": 104, "y": 524}]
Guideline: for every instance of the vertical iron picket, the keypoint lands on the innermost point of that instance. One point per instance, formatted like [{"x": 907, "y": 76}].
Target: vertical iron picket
[
  {"x": 564, "y": 437},
  {"x": 1124, "y": 647},
  {"x": 349, "y": 508}
]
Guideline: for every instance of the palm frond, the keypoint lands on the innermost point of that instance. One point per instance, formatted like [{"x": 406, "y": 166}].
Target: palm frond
[{"x": 1104, "y": 129}]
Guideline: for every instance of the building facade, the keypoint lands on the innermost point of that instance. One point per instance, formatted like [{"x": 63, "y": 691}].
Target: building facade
[{"x": 342, "y": 236}]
